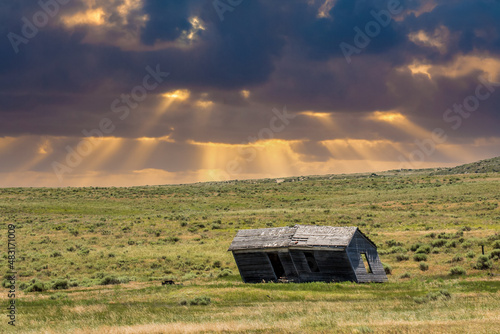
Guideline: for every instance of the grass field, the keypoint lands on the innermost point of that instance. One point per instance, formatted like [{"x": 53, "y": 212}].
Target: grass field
[{"x": 90, "y": 260}]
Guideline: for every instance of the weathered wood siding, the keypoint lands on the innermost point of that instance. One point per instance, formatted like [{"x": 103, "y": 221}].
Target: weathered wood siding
[
  {"x": 358, "y": 245},
  {"x": 286, "y": 261},
  {"x": 332, "y": 265},
  {"x": 254, "y": 267}
]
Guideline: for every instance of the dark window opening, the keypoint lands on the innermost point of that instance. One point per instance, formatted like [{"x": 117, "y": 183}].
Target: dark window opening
[
  {"x": 311, "y": 262},
  {"x": 366, "y": 263},
  {"x": 279, "y": 271}
]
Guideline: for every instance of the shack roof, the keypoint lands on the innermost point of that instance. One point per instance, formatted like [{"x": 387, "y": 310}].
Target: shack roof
[{"x": 296, "y": 236}]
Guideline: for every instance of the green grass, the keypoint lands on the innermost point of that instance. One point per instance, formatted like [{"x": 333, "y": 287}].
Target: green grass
[{"x": 132, "y": 238}]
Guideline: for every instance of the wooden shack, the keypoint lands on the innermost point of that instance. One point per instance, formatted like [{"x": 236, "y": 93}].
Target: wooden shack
[{"x": 305, "y": 254}]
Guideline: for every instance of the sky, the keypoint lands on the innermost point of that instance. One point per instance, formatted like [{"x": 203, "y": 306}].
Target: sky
[{"x": 147, "y": 92}]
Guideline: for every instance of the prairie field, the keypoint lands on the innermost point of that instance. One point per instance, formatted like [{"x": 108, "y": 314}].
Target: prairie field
[{"x": 91, "y": 260}]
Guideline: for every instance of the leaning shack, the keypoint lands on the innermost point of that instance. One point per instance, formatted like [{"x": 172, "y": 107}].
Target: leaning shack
[{"x": 307, "y": 253}]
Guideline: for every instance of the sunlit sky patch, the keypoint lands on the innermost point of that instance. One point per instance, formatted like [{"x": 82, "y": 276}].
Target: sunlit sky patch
[{"x": 262, "y": 91}]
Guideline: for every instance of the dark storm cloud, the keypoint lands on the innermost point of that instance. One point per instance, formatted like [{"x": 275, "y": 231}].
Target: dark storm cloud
[{"x": 60, "y": 84}]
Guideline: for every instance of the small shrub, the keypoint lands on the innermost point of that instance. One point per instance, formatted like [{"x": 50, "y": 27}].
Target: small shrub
[
  {"x": 423, "y": 266},
  {"x": 225, "y": 273},
  {"x": 457, "y": 258},
  {"x": 59, "y": 295},
  {"x": 36, "y": 287},
  {"x": 364, "y": 330},
  {"x": 466, "y": 245},
  {"x": 438, "y": 243},
  {"x": 402, "y": 257},
  {"x": 405, "y": 275},
  {"x": 396, "y": 249},
  {"x": 108, "y": 280},
  {"x": 202, "y": 300},
  {"x": 424, "y": 249},
  {"x": 172, "y": 240},
  {"x": 451, "y": 243},
  {"x": 56, "y": 254},
  {"x": 61, "y": 284},
  {"x": 419, "y": 257},
  {"x": 470, "y": 254},
  {"x": 414, "y": 247},
  {"x": 387, "y": 269},
  {"x": 483, "y": 263},
  {"x": 457, "y": 271},
  {"x": 433, "y": 296},
  {"x": 494, "y": 254},
  {"x": 496, "y": 244},
  {"x": 392, "y": 243}
]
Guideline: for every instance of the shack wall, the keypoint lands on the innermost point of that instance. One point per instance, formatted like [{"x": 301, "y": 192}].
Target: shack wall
[
  {"x": 360, "y": 245},
  {"x": 331, "y": 266}
]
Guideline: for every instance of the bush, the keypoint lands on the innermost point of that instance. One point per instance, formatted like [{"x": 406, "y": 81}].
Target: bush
[
  {"x": 387, "y": 269},
  {"x": 402, "y": 257},
  {"x": 405, "y": 275},
  {"x": 224, "y": 273},
  {"x": 392, "y": 243},
  {"x": 451, "y": 243},
  {"x": 414, "y": 247},
  {"x": 457, "y": 258},
  {"x": 58, "y": 295},
  {"x": 423, "y": 266},
  {"x": 202, "y": 300},
  {"x": 431, "y": 296},
  {"x": 36, "y": 287},
  {"x": 496, "y": 244},
  {"x": 457, "y": 271},
  {"x": 483, "y": 263},
  {"x": 61, "y": 284},
  {"x": 438, "y": 243},
  {"x": 470, "y": 254},
  {"x": 56, "y": 254},
  {"x": 419, "y": 257},
  {"x": 108, "y": 280},
  {"x": 495, "y": 254},
  {"x": 466, "y": 245},
  {"x": 424, "y": 249},
  {"x": 396, "y": 249}
]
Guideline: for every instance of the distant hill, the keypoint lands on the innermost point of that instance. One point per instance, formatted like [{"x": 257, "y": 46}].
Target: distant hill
[{"x": 483, "y": 166}]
